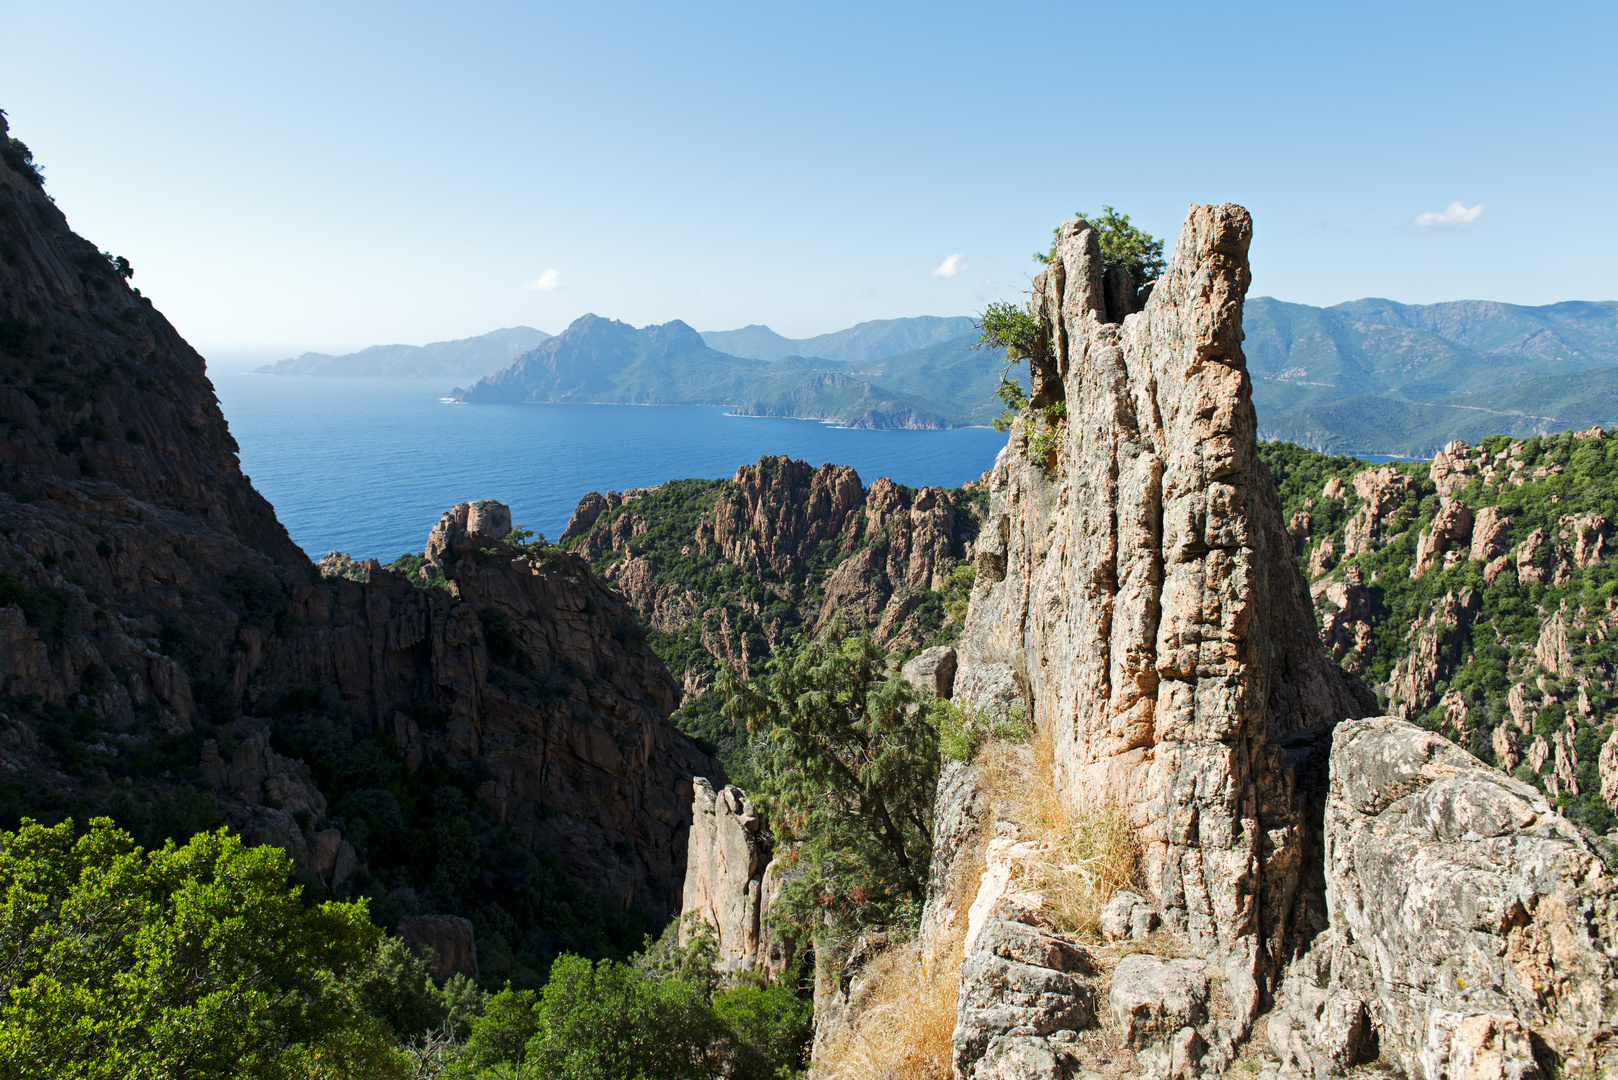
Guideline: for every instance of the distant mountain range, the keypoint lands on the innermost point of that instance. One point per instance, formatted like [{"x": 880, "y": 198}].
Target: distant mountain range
[
  {"x": 876, "y": 340},
  {"x": 947, "y": 384},
  {"x": 1369, "y": 376},
  {"x": 1374, "y": 376},
  {"x": 441, "y": 359}
]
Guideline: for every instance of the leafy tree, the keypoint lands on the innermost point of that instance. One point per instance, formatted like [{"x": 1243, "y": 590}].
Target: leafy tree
[
  {"x": 850, "y": 765},
  {"x": 498, "y": 1044},
  {"x": 607, "y": 1021},
  {"x": 397, "y": 988},
  {"x": 1008, "y": 326},
  {"x": 198, "y": 960},
  {"x": 1122, "y": 244},
  {"x": 772, "y": 1024},
  {"x": 695, "y": 960}
]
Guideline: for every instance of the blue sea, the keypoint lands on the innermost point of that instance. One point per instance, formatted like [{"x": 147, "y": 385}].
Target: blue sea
[{"x": 366, "y": 466}]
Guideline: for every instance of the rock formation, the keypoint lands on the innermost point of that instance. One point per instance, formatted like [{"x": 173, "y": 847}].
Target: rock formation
[
  {"x": 1528, "y": 517},
  {"x": 1145, "y": 602},
  {"x": 448, "y": 942},
  {"x": 725, "y": 885},
  {"x": 736, "y": 567},
  {"x": 152, "y": 598},
  {"x": 932, "y": 671},
  {"x": 1473, "y": 930}
]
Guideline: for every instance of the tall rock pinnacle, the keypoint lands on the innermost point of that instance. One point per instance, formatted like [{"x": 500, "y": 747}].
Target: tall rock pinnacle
[{"x": 1137, "y": 590}]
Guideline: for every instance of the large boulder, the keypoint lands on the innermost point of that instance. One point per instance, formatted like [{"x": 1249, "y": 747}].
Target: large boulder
[
  {"x": 446, "y": 942},
  {"x": 932, "y": 671},
  {"x": 1474, "y": 931}
]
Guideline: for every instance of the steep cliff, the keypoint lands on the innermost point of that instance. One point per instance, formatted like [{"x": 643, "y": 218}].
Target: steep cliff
[
  {"x": 1137, "y": 590},
  {"x": 167, "y": 655},
  {"x": 725, "y": 571}
]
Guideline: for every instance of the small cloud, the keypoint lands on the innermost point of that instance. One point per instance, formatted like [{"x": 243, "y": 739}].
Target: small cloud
[
  {"x": 950, "y": 266},
  {"x": 1453, "y": 216},
  {"x": 549, "y": 281}
]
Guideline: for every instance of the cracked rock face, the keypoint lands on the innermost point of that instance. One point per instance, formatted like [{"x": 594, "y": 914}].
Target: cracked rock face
[
  {"x": 1144, "y": 600},
  {"x": 726, "y": 859},
  {"x": 1473, "y": 929}
]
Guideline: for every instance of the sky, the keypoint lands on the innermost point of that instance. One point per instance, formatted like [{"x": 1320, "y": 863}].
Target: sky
[{"x": 329, "y": 176}]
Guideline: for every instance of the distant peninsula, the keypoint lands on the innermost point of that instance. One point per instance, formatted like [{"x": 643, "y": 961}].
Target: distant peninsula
[
  {"x": 946, "y": 384},
  {"x": 462, "y": 358},
  {"x": 1366, "y": 377}
]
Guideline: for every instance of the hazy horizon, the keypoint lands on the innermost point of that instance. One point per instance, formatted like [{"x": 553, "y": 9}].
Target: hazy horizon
[{"x": 312, "y": 178}]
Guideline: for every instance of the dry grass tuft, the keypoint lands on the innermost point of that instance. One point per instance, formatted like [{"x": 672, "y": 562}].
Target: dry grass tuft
[
  {"x": 906, "y": 1022},
  {"x": 1093, "y": 851},
  {"x": 906, "y": 1013}
]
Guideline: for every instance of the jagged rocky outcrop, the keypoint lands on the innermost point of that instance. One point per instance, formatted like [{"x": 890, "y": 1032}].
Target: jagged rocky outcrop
[
  {"x": 1473, "y": 930},
  {"x": 811, "y": 545},
  {"x": 1139, "y": 593},
  {"x": 1476, "y": 595},
  {"x": 157, "y": 623}
]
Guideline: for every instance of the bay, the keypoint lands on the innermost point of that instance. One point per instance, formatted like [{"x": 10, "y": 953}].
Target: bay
[{"x": 366, "y": 465}]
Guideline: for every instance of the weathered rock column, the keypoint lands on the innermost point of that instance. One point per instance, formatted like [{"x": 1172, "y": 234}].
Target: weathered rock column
[
  {"x": 726, "y": 859},
  {"x": 1143, "y": 598}
]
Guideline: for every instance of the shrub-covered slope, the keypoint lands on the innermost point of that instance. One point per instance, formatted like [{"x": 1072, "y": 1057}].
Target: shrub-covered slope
[
  {"x": 1479, "y": 593},
  {"x": 724, "y": 571}
]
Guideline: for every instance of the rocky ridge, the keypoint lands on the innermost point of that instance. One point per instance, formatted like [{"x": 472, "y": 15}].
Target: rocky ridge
[
  {"x": 1479, "y": 595},
  {"x": 725, "y": 571},
  {"x": 167, "y": 654}
]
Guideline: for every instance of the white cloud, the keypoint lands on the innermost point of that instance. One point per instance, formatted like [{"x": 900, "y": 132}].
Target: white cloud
[
  {"x": 950, "y": 266},
  {"x": 549, "y": 281},
  {"x": 1453, "y": 216}
]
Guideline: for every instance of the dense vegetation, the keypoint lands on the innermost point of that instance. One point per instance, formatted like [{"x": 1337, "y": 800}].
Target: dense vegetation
[
  {"x": 847, "y": 760},
  {"x": 1493, "y": 650},
  {"x": 205, "y": 959}
]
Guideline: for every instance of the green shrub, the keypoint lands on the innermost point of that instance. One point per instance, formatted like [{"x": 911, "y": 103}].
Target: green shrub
[
  {"x": 197, "y": 960},
  {"x": 20, "y": 158},
  {"x": 848, "y": 766}
]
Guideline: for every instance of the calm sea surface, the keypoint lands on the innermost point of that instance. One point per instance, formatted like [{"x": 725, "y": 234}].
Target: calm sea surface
[{"x": 367, "y": 465}]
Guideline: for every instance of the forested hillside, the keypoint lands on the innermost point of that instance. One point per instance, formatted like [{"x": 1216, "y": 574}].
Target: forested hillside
[{"x": 1479, "y": 594}]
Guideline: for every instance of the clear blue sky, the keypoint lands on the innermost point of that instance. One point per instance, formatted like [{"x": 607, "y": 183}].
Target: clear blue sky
[{"x": 326, "y": 176}]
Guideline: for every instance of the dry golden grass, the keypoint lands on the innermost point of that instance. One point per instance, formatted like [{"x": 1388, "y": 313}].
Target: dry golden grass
[
  {"x": 906, "y": 1022},
  {"x": 906, "y": 1012},
  {"x": 1092, "y": 850}
]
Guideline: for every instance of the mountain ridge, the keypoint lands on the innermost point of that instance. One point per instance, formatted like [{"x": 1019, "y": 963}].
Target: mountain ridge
[
  {"x": 874, "y": 339},
  {"x": 476, "y": 355},
  {"x": 602, "y": 360}
]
